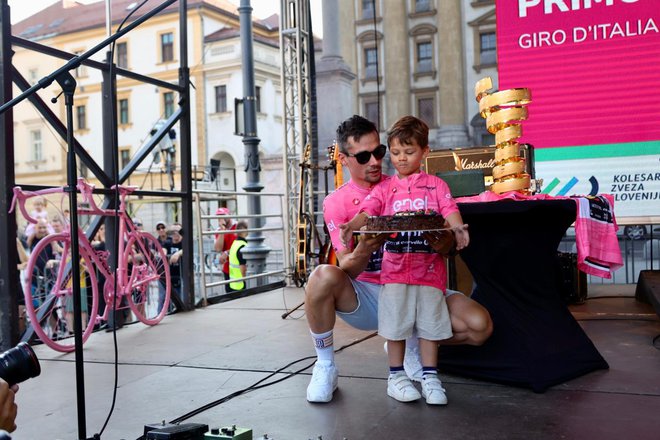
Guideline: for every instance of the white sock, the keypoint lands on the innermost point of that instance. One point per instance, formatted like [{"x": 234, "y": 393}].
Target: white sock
[{"x": 323, "y": 343}]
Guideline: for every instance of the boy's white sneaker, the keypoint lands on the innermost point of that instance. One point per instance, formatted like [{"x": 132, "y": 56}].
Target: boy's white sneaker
[
  {"x": 402, "y": 389},
  {"x": 432, "y": 390},
  {"x": 323, "y": 383}
]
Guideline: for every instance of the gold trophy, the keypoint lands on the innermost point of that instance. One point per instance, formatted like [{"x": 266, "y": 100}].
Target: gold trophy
[{"x": 504, "y": 112}]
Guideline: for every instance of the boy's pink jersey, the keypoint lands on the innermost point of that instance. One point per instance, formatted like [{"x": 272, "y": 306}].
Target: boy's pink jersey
[
  {"x": 341, "y": 206},
  {"x": 408, "y": 258}
]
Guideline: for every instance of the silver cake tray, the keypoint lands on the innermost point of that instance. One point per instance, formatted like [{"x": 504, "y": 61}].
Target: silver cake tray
[{"x": 397, "y": 231}]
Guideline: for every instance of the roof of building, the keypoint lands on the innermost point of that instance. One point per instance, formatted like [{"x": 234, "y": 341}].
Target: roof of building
[
  {"x": 233, "y": 32},
  {"x": 59, "y": 19}
]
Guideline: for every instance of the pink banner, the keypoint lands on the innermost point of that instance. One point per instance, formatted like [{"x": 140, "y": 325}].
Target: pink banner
[{"x": 593, "y": 67}]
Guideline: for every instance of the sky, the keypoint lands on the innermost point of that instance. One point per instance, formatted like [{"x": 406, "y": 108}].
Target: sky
[{"x": 21, "y": 9}]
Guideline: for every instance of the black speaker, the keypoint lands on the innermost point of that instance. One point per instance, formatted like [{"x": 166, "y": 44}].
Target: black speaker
[{"x": 648, "y": 288}]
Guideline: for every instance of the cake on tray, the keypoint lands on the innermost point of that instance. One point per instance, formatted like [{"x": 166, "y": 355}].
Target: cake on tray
[{"x": 406, "y": 221}]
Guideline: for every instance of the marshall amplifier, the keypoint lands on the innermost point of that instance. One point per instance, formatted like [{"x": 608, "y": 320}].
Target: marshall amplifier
[{"x": 469, "y": 171}]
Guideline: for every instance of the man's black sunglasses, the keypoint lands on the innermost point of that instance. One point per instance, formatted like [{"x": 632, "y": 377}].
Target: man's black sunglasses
[{"x": 365, "y": 156}]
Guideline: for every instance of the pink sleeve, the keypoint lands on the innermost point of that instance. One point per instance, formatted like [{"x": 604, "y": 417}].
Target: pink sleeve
[
  {"x": 334, "y": 214},
  {"x": 446, "y": 202},
  {"x": 373, "y": 204}
]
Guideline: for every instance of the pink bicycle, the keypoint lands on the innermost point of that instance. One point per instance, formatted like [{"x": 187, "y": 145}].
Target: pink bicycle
[{"x": 143, "y": 274}]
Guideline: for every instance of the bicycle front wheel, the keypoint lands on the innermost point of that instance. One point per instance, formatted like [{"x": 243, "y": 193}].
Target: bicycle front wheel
[
  {"x": 49, "y": 292},
  {"x": 149, "y": 285}
]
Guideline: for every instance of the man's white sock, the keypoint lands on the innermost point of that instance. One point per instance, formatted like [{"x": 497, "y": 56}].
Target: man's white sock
[{"x": 323, "y": 343}]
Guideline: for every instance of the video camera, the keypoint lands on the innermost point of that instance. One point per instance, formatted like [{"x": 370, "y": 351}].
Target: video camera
[{"x": 19, "y": 364}]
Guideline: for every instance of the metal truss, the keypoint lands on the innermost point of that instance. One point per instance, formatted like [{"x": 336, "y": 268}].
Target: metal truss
[{"x": 295, "y": 44}]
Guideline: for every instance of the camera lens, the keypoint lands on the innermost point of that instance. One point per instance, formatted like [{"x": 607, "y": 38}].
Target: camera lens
[{"x": 18, "y": 364}]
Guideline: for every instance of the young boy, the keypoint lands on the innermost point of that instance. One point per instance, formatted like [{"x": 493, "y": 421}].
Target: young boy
[{"x": 414, "y": 276}]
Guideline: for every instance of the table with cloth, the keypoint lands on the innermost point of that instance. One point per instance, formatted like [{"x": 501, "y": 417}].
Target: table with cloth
[{"x": 513, "y": 259}]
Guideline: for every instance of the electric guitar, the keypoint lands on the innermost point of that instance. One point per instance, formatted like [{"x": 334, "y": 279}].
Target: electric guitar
[
  {"x": 327, "y": 254},
  {"x": 302, "y": 238}
]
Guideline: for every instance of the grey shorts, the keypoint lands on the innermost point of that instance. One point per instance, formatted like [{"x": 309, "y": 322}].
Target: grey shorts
[
  {"x": 450, "y": 292},
  {"x": 365, "y": 315},
  {"x": 404, "y": 308}
]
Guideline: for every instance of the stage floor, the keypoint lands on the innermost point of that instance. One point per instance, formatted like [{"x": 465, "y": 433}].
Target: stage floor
[{"x": 195, "y": 358}]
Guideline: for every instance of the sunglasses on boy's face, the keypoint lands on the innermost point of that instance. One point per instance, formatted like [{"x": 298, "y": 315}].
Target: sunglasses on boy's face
[{"x": 365, "y": 156}]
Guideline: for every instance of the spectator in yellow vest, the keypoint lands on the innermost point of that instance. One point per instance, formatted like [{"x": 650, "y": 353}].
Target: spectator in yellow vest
[{"x": 237, "y": 264}]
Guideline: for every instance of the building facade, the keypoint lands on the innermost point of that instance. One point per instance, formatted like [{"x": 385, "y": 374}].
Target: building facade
[
  {"x": 420, "y": 57},
  {"x": 152, "y": 49}
]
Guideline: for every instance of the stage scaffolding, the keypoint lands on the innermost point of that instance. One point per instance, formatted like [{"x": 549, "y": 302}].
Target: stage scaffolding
[{"x": 295, "y": 47}]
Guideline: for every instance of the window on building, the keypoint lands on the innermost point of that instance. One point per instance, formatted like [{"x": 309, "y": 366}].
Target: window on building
[
  {"x": 422, "y": 5},
  {"x": 426, "y": 110},
  {"x": 36, "y": 145},
  {"x": 167, "y": 47},
  {"x": 220, "y": 99},
  {"x": 488, "y": 48},
  {"x": 168, "y": 104},
  {"x": 368, "y": 8},
  {"x": 424, "y": 56},
  {"x": 81, "y": 117},
  {"x": 123, "y": 112},
  {"x": 370, "y": 62},
  {"x": 122, "y": 55},
  {"x": 257, "y": 99},
  {"x": 371, "y": 112},
  {"x": 124, "y": 157},
  {"x": 81, "y": 71}
]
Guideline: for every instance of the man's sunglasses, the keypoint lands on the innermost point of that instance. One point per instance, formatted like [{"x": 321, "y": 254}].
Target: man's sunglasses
[{"x": 365, "y": 156}]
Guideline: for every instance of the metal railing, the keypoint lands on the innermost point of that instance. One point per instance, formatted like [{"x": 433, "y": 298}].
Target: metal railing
[
  {"x": 208, "y": 272},
  {"x": 157, "y": 177}
]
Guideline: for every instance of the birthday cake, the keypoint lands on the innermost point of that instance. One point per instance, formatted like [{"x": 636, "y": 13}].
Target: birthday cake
[{"x": 406, "y": 221}]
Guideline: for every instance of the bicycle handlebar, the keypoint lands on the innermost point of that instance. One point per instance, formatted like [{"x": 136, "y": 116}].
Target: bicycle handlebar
[
  {"x": 21, "y": 196},
  {"x": 85, "y": 188}
]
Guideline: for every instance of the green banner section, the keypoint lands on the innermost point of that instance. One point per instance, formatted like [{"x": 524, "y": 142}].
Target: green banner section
[{"x": 597, "y": 151}]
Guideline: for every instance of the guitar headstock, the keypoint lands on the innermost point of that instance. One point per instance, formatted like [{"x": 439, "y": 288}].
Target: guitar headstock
[
  {"x": 333, "y": 153},
  {"x": 306, "y": 156}
]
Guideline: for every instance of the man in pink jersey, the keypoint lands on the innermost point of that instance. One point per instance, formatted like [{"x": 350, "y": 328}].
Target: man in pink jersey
[{"x": 351, "y": 289}]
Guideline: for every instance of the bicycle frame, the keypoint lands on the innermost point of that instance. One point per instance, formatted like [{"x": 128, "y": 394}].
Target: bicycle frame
[{"x": 140, "y": 262}]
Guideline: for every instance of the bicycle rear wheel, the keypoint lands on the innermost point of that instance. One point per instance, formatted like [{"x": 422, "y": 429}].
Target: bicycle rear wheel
[
  {"x": 149, "y": 285},
  {"x": 49, "y": 293}
]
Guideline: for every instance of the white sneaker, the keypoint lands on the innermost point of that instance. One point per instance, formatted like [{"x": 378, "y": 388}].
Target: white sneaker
[
  {"x": 323, "y": 383},
  {"x": 411, "y": 363},
  {"x": 402, "y": 389},
  {"x": 432, "y": 390}
]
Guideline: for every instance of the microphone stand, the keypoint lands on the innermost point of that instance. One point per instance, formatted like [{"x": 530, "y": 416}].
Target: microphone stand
[{"x": 68, "y": 84}]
